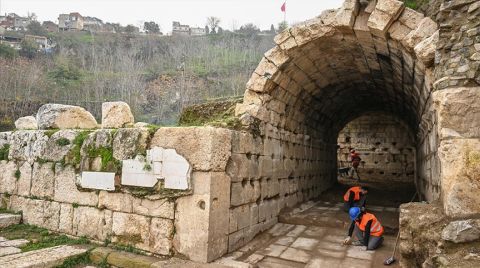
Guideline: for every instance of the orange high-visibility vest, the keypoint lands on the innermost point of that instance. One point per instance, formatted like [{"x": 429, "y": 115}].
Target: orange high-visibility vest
[
  {"x": 356, "y": 190},
  {"x": 376, "y": 229}
]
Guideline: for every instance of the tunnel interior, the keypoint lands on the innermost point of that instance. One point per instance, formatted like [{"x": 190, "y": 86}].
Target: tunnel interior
[{"x": 319, "y": 78}]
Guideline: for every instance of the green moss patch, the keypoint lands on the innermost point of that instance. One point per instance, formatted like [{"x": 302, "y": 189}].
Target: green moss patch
[
  {"x": 76, "y": 261},
  {"x": 76, "y": 154},
  {"x": 39, "y": 237},
  {"x": 49, "y": 133},
  {"x": 109, "y": 163},
  {"x": 218, "y": 114},
  {"x": 4, "y": 151},
  {"x": 62, "y": 142}
]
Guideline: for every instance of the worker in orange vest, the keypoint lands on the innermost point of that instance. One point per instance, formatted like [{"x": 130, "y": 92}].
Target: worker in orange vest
[
  {"x": 356, "y": 196},
  {"x": 367, "y": 229}
]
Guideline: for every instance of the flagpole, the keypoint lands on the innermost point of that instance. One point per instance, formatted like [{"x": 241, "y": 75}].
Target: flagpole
[{"x": 285, "y": 13}]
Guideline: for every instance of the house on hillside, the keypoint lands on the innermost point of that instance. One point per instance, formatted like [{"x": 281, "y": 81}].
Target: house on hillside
[
  {"x": 41, "y": 41},
  {"x": 197, "y": 31},
  {"x": 93, "y": 24},
  {"x": 70, "y": 22},
  {"x": 50, "y": 26},
  {"x": 21, "y": 23},
  {"x": 179, "y": 29}
]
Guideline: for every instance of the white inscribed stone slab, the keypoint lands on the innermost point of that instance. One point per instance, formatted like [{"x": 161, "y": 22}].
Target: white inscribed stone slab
[
  {"x": 98, "y": 180},
  {"x": 175, "y": 170},
  {"x": 134, "y": 173}
]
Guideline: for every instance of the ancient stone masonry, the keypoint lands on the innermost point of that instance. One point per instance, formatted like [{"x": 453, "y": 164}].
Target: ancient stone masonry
[
  {"x": 385, "y": 145},
  {"x": 83, "y": 182}
]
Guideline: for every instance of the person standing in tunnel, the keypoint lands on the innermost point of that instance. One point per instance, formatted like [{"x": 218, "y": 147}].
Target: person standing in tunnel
[
  {"x": 367, "y": 229},
  {"x": 355, "y": 160},
  {"x": 356, "y": 196}
]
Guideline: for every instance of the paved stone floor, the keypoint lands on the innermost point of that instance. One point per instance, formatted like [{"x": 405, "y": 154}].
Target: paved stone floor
[{"x": 311, "y": 236}]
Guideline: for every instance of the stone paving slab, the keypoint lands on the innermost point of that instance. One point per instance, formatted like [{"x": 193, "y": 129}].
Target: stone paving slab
[
  {"x": 48, "y": 257},
  {"x": 14, "y": 243},
  {"x": 4, "y": 251},
  {"x": 9, "y": 219},
  {"x": 315, "y": 243}
]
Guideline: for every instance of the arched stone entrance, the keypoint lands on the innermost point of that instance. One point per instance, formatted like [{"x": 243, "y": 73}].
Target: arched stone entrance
[{"x": 325, "y": 72}]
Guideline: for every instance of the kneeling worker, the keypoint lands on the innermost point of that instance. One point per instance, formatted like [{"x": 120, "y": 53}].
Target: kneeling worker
[
  {"x": 367, "y": 229},
  {"x": 356, "y": 196}
]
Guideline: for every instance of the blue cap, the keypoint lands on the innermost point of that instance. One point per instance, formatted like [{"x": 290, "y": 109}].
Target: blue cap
[{"x": 354, "y": 212}]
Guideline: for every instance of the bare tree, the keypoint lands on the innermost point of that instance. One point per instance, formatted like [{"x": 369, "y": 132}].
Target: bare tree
[{"x": 213, "y": 23}]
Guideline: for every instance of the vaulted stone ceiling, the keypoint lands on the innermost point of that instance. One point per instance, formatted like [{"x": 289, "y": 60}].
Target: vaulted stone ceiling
[{"x": 326, "y": 71}]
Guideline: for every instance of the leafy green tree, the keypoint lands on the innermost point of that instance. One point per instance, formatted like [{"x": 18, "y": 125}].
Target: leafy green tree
[
  {"x": 282, "y": 26},
  {"x": 28, "y": 48},
  {"x": 130, "y": 29},
  {"x": 151, "y": 27},
  {"x": 249, "y": 29},
  {"x": 7, "y": 52},
  {"x": 35, "y": 28}
]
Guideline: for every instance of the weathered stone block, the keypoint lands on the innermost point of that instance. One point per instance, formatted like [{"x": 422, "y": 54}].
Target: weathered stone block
[
  {"x": 205, "y": 210},
  {"x": 59, "y": 145},
  {"x": 462, "y": 231},
  {"x": 116, "y": 115},
  {"x": 26, "y": 122},
  {"x": 205, "y": 148},
  {"x": 7, "y": 177},
  {"x": 92, "y": 222},
  {"x": 425, "y": 50},
  {"x": 162, "y": 208},
  {"x": 425, "y": 28},
  {"x": 51, "y": 116},
  {"x": 460, "y": 166},
  {"x": 131, "y": 229},
  {"x": 161, "y": 234},
  {"x": 43, "y": 180},
  {"x": 24, "y": 181},
  {"x": 66, "y": 190},
  {"x": 115, "y": 201},
  {"x": 27, "y": 145},
  {"x": 129, "y": 142},
  {"x": 385, "y": 13}
]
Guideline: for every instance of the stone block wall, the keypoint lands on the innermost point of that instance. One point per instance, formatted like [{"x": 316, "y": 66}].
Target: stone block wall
[
  {"x": 42, "y": 173},
  {"x": 270, "y": 172},
  {"x": 385, "y": 145}
]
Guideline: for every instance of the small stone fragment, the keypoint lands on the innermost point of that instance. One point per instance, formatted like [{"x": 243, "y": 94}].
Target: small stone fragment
[
  {"x": 116, "y": 115},
  {"x": 26, "y": 122}
]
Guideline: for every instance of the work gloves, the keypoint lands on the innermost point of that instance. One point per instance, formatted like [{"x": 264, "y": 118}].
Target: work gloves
[{"x": 347, "y": 240}]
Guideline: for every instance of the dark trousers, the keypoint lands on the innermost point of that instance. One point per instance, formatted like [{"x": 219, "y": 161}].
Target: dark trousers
[
  {"x": 360, "y": 203},
  {"x": 373, "y": 243}
]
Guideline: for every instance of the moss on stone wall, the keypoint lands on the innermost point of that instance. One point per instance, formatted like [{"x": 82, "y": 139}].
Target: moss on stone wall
[
  {"x": 4, "y": 151},
  {"x": 218, "y": 114}
]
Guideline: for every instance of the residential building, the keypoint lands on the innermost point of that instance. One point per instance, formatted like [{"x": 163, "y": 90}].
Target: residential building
[
  {"x": 50, "y": 26},
  {"x": 21, "y": 23},
  {"x": 93, "y": 24},
  {"x": 197, "y": 31},
  {"x": 70, "y": 22},
  {"x": 179, "y": 29},
  {"x": 42, "y": 41}
]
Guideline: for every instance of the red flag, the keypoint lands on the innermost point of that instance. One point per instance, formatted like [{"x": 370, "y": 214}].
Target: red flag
[{"x": 284, "y": 6}]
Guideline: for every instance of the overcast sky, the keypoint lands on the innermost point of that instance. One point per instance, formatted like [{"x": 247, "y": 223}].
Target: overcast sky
[{"x": 263, "y": 13}]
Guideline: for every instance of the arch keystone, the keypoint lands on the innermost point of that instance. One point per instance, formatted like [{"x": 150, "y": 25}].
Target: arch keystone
[{"x": 382, "y": 17}]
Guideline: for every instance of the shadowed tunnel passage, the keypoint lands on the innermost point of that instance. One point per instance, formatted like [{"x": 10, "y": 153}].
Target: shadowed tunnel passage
[{"x": 326, "y": 72}]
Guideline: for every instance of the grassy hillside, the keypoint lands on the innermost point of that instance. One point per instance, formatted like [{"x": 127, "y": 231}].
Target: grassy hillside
[{"x": 157, "y": 75}]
